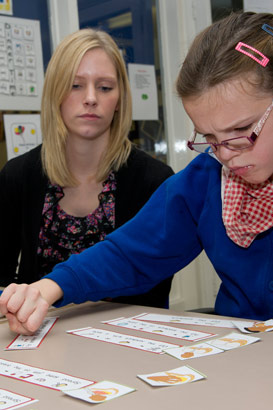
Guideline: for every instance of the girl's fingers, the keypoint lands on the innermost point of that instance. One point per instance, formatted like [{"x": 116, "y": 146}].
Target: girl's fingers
[
  {"x": 5, "y": 297},
  {"x": 24, "y": 308},
  {"x": 16, "y": 326}
]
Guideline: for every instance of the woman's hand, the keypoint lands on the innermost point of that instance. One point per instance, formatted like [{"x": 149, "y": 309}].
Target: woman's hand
[{"x": 25, "y": 306}]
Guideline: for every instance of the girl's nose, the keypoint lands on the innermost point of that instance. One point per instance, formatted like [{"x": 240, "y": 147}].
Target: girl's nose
[
  {"x": 225, "y": 154},
  {"x": 90, "y": 97}
]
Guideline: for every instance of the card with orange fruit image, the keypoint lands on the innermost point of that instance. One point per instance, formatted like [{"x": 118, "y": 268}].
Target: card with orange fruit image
[
  {"x": 180, "y": 375},
  {"x": 254, "y": 326},
  {"x": 193, "y": 351},
  {"x": 232, "y": 341},
  {"x": 99, "y": 392}
]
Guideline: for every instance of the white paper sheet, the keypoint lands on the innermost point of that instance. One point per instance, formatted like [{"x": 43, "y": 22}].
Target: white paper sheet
[
  {"x": 10, "y": 400},
  {"x": 144, "y": 91},
  {"x": 259, "y": 6},
  {"x": 22, "y": 342},
  {"x": 186, "y": 320},
  {"x": 123, "y": 340},
  {"x": 178, "y": 333},
  {"x": 23, "y": 132},
  {"x": 41, "y": 377}
]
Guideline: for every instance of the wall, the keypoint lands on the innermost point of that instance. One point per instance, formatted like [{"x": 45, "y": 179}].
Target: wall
[
  {"x": 179, "y": 21},
  {"x": 34, "y": 10}
]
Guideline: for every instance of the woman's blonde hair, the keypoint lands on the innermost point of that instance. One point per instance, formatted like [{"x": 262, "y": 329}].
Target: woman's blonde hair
[
  {"x": 212, "y": 58},
  {"x": 58, "y": 83}
]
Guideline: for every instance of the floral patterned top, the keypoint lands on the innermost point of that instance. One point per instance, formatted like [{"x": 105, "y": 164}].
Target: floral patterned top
[{"x": 62, "y": 235}]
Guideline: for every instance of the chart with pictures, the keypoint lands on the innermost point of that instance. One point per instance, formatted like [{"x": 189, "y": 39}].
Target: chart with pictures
[{"x": 21, "y": 64}]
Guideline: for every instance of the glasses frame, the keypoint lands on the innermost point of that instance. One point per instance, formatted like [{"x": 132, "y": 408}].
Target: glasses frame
[{"x": 213, "y": 146}]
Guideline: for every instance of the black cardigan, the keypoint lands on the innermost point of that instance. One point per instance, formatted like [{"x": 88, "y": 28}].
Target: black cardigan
[{"x": 22, "y": 191}]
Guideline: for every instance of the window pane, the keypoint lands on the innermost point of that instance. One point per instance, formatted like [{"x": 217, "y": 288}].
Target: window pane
[{"x": 222, "y": 8}]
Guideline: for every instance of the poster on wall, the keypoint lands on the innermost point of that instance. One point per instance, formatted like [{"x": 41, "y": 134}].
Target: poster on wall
[
  {"x": 144, "y": 91},
  {"x": 23, "y": 132},
  {"x": 261, "y": 6},
  {"x": 6, "y": 7},
  {"x": 21, "y": 64}
]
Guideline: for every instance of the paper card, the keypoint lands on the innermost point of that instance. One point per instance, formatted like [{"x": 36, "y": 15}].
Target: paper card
[
  {"x": 261, "y": 6},
  {"x": 191, "y": 352},
  {"x": 186, "y": 320},
  {"x": 181, "y": 375},
  {"x": 254, "y": 327},
  {"x": 144, "y": 91},
  {"x": 100, "y": 392},
  {"x": 123, "y": 340},
  {"x": 6, "y": 7},
  {"x": 184, "y": 334},
  {"x": 22, "y": 342},
  {"x": 10, "y": 400},
  {"x": 41, "y": 377},
  {"x": 232, "y": 341},
  {"x": 23, "y": 132}
]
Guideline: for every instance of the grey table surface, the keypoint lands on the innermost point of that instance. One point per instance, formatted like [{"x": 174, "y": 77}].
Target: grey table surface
[{"x": 238, "y": 379}]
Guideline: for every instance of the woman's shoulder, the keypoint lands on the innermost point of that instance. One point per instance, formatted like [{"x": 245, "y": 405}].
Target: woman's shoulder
[
  {"x": 142, "y": 160},
  {"x": 27, "y": 157},
  {"x": 142, "y": 174},
  {"x": 27, "y": 163}
]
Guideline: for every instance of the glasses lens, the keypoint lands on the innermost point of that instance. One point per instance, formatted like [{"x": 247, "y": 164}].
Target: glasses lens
[
  {"x": 237, "y": 143},
  {"x": 203, "y": 147},
  {"x": 201, "y": 144}
]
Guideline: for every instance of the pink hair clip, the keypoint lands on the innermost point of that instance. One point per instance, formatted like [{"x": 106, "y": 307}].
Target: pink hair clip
[{"x": 262, "y": 59}]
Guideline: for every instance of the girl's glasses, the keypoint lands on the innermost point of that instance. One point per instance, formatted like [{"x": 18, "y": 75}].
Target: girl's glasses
[{"x": 234, "y": 144}]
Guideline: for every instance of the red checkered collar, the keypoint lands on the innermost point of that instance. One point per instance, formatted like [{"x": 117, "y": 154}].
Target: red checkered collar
[{"x": 247, "y": 208}]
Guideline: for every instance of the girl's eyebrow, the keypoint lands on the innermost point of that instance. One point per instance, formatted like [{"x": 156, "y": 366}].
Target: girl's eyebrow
[
  {"x": 198, "y": 132},
  {"x": 241, "y": 123},
  {"x": 238, "y": 124},
  {"x": 202, "y": 133}
]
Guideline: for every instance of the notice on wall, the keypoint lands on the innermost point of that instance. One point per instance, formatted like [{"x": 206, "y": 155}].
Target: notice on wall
[
  {"x": 144, "y": 91},
  {"x": 6, "y": 7},
  {"x": 23, "y": 132},
  {"x": 261, "y": 6},
  {"x": 21, "y": 64}
]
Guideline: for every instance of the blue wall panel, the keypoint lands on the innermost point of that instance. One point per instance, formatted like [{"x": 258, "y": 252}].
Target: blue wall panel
[{"x": 136, "y": 39}]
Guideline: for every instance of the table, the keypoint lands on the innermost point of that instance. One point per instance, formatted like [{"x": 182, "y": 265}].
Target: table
[{"x": 238, "y": 379}]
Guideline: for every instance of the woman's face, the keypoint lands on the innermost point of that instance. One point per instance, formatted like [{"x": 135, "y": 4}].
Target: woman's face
[
  {"x": 233, "y": 110},
  {"x": 89, "y": 108}
]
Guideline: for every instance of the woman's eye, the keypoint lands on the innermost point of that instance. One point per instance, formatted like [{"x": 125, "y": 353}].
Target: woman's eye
[
  {"x": 74, "y": 86},
  {"x": 105, "y": 89}
]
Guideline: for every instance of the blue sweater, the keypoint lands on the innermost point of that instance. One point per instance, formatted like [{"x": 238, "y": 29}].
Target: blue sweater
[{"x": 183, "y": 217}]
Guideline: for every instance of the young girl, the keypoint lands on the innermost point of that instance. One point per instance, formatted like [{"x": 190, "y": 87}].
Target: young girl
[
  {"x": 222, "y": 202},
  {"x": 86, "y": 180}
]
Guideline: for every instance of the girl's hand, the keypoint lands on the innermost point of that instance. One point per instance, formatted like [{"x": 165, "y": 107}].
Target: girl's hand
[{"x": 25, "y": 306}]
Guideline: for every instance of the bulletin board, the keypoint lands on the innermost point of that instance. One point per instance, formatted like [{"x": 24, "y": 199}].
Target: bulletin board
[{"x": 21, "y": 64}]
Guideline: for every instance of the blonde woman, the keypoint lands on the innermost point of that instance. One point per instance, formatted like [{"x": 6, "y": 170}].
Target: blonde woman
[{"x": 86, "y": 179}]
